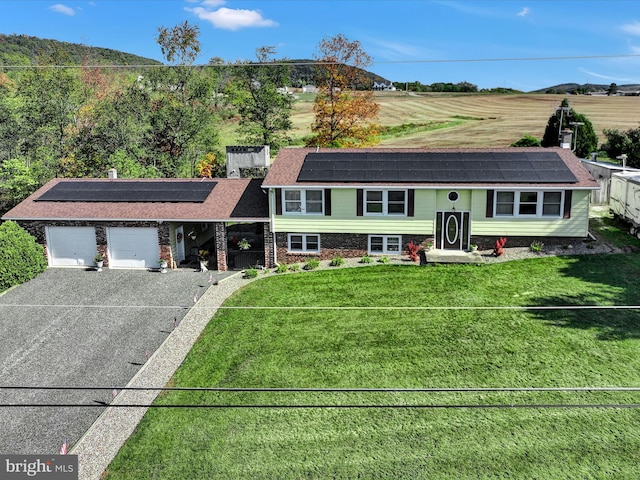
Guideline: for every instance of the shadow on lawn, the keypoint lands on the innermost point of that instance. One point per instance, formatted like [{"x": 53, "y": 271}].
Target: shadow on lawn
[{"x": 615, "y": 280}]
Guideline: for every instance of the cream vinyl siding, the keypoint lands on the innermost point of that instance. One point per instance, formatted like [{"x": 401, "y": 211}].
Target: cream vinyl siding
[
  {"x": 344, "y": 217},
  {"x": 443, "y": 203},
  {"x": 576, "y": 226}
]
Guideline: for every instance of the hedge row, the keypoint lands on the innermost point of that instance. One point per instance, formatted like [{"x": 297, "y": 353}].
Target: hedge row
[{"x": 21, "y": 258}]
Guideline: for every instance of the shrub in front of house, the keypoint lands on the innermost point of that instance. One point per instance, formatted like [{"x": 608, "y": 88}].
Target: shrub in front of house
[
  {"x": 251, "y": 273},
  {"x": 366, "y": 259},
  {"x": 21, "y": 258},
  {"x": 282, "y": 268},
  {"x": 337, "y": 261},
  {"x": 312, "y": 264}
]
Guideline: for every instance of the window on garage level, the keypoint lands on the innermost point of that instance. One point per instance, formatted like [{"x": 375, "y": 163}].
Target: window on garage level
[{"x": 302, "y": 242}]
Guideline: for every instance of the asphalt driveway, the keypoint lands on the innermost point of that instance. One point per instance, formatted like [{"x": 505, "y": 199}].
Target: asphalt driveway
[{"x": 71, "y": 327}]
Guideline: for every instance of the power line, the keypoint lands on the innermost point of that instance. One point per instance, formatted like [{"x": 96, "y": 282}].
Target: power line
[
  {"x": 314, "y": 63},
  {"x": 338, "y": 308},
  {"x": 333, "y": 390},
  {"x": 335, "y": 406}
]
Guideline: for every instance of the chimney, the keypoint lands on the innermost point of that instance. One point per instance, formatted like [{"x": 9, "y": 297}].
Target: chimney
[
  {"x": 565, "y": 139},
  {"x": 113, "y": 173}
]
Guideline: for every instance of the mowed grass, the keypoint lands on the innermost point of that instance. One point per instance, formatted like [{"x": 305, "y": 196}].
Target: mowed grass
[
  {"x": 365, "y": 347},
  {"x": 478, "y": 120}
]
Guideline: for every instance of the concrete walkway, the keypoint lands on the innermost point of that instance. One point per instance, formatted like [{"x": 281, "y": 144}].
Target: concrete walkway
[
  {"x": 99, "y": 445},
  {"x": 453, "y": 256}
]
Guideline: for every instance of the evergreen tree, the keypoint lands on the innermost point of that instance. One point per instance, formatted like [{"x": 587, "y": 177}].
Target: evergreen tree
[{"x": 585, "y": 139}]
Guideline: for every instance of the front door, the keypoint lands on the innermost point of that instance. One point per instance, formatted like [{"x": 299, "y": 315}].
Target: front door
[{"x": 452, "y": 230}]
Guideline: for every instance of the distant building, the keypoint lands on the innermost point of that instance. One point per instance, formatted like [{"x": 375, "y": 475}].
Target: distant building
[{"x": 384, "y": 87}]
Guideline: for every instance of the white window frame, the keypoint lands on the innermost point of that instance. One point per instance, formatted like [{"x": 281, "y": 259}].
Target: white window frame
[
  {"x": 385, "y": 245},
  {"x": 385, "y": 202},
  {"x": 539, "y": 204},
  {"x": 305, "y": 241},
  {"x": 303, "y": 201}
]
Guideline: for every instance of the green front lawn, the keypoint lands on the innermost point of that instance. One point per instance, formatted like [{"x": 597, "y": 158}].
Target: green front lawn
[{"x": 408, "y": 348}]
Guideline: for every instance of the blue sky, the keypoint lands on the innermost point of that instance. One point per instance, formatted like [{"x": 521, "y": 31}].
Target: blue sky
[{"x": 408, "y": 40}]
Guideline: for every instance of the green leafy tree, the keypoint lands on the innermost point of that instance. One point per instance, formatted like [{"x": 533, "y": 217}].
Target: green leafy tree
[
  {"x": 344, "y": 112},
  {"x": 585, "y": 138},
  {"x": 623, "y": 143},
  {"x": 613, "y": 89},
  {"x": 180, "y": 113},
  {"x": 21, "y": 258},
  {"x": 263, "y": 105},
  {"x": 50, "y": 101},
  {"x": 17, "y": 182},
  {"x": 527, "y": 141}
]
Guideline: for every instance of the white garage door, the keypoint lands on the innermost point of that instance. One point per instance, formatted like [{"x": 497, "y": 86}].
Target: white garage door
[
  {"x": 71, "y": 246},
  {"x": 132, "y": 247}
]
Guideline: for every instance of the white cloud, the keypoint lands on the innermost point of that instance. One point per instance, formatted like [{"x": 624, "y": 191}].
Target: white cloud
[
  {"x": 396, "y": 49},
  {"x": 230, "y": 18},
  {"x": 524, "y": 12},
  {"x": 59, "y": 8},
  {"x": 631, "y": 28},
  {"x": 604, "y": 77}
]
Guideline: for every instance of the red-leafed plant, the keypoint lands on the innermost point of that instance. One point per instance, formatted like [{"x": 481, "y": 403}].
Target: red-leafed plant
[
  {"x": 499, "y": 247},
  {"x": 413, "y": 249}
]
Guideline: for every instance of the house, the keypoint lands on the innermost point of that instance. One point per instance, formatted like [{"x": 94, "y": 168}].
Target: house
[
  {"x": 134, "y": 221},
  {"x": 315, "y": 202},
  {"x": 384, "y": 87},
  {"x": 349, "y": 202}
]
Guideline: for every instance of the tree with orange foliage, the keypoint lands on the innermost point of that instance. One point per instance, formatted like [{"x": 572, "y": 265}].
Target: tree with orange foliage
[{"x": 344, "y": 106}]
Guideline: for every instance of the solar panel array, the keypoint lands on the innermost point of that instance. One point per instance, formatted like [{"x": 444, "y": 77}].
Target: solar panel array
[
  {"x": 95, "y": 191},
  {"x": 428, "y": 167}
]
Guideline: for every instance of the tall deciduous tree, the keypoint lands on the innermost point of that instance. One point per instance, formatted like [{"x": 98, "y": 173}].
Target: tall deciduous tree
[
  {"x": 344, "y": 114},
  {"x": 263, "y": 105},
  {"x": 50, "y": 101},
  {"x": 181, "y": 112},
  {"x": 585, "y": 139}
]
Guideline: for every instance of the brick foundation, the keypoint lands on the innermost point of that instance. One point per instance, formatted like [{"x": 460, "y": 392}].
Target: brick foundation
[
  {"x": 346, "y": 245},
  {"x": 487, "y": 243}
]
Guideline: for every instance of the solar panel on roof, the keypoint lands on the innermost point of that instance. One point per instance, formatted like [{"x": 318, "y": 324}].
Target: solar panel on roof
[
  {"x": 434, "y": 167},
  {"x": 136, "y": 192}
]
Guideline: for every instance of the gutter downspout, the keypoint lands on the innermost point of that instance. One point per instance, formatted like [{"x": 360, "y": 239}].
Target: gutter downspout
[{"x": 272, "y": 207}]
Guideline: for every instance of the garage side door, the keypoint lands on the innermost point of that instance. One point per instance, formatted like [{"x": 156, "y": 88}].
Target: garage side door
[
  {"x": 132, "y": 247},
  {"x": 71, "y": 246}
]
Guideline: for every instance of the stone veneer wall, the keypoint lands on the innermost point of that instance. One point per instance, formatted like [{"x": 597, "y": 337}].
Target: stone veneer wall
[
  {"x": 221, "y": 246},
  {"x": 269, "y": 261},
  {"x": 487, "y": 243},
  {"x": 37, "y": 229},
  {"x": 347, "y": 245}
]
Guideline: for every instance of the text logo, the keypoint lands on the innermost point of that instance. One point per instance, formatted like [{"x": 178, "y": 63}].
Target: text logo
[{"x": 50, "y": 467}]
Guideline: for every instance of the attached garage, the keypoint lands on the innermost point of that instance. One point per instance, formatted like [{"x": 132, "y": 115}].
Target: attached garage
[
  {"x": 71, "y": 246},
  {"x": 133, "y": 247}
]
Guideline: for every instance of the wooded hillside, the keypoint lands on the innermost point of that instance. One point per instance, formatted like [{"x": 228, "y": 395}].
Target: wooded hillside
[{"x": 28, "y": 50}]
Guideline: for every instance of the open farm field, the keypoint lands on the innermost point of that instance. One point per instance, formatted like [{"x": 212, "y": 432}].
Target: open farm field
[{"x": 469, "y": 120}]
